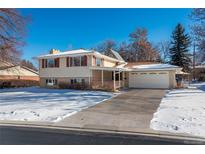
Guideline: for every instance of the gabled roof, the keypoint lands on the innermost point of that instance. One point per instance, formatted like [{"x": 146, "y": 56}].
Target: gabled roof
[
  {"x": 146, "y": 66},
  {"x": 67, "y": 53},
  {"x": 4, "y": 64},
  {"x": 131, "y": 64},
  {"x": 78, "y": 52},
  {"x": 155, "y": 66},
  {"x": 14, "y": 69},
  {"x": 17, "y": 71}
]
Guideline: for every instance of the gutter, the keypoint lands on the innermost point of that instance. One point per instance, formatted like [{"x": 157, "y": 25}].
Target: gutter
[{"x": 140, "y": 135}]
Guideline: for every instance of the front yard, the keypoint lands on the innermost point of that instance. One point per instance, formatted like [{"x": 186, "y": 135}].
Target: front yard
[
  {"x": 52, "y": 105},
  {"x": 182, "y": 111}
]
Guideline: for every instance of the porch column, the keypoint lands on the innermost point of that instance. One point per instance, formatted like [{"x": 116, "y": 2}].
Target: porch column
[
  {"x": 102, "y": 76},
  {"x": 114, "y": 80},
  {"x": 123, "y": 76},
  {"x": 119, "y": 80},
  {"x": 89, "y": 79}
]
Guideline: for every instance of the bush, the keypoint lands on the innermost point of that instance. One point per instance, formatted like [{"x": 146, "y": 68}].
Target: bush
[
  {"x": 15, "y": 83},
  {"x": 201, "y": 78},
  {"x": 65, "y": 85}
]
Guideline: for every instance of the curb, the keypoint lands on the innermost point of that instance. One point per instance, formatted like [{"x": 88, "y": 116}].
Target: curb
[{"x": 175, "y": 139}]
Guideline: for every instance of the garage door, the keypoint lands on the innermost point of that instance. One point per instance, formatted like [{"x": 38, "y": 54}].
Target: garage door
[{"x": 149, "y": 80}]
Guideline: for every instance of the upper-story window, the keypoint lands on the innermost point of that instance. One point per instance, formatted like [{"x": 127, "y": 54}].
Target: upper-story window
[
  {"x": 50, "y": 62},
  {"x": 77, "y": 61},
  {"x": 98, "y": 62}
]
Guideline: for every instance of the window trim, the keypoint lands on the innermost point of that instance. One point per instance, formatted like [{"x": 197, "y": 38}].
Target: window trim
[
  {"x": 71, "y": 60},
  {"x": 77, "y": 81},
  {"x": 45, "y": 63},
  {"x": 51, "y": 82},
  {"x": 98, "y": 60}
]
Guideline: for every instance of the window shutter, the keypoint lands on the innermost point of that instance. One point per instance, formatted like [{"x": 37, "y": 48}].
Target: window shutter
[
  {"x": 57, "y": 62},
  {"x": 43, "y": 63},
  {"x": 85, "y": 61},
  {"x": 71, "y": 61},
  {"x": 67, "y": 61}
]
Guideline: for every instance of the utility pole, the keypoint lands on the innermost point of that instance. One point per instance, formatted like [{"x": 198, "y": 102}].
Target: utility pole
[{"x": 194, "y": 60}]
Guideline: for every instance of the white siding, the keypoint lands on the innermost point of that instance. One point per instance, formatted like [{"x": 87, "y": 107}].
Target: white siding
[{"x": 65, "y": 72}]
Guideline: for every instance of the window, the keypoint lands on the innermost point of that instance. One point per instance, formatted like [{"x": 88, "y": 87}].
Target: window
[
  {"x": 50, "y": 62},
  {"x": 98, "y": 62},
  {"x": 51, "y": 82},
  {"x": 78, "y": 80},
  {"x": 77, "y": 61}
]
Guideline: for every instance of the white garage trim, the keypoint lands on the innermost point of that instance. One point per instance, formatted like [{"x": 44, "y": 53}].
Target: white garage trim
[{"x": 159, "y": 79}]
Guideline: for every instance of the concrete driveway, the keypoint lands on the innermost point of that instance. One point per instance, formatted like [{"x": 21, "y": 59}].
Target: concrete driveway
[{"x": 129, "y": 111}]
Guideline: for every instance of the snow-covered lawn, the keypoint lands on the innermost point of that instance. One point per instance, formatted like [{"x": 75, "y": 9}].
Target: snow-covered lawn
[
  {"x": 52, "y": 105},
  {"x": 182, "y": 111}
]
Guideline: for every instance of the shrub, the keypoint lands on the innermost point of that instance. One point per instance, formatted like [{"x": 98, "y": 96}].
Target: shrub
[
  {"x": 201, "y": 78},
  {"x": 15, "y": 83},
  {"x": 80, "y": 86}
]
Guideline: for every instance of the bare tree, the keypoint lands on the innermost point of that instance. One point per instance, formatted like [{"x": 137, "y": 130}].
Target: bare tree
[
  {"x": 123, "y": 50},
  {"x": 28, "y": 64},
  {"x": 105, "y": 46},
  {"x": 140, "y": 48},
  {"x": 12, "y": 31},
  {"x": 163, "y": 48},
  {"x": 198, "y": 31}
]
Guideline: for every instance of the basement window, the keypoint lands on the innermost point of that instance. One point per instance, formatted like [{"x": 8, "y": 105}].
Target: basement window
[
  {"x": 51, "y": 82},
  {"x": 143, "y": 73},
  {"x": 162, "y": 73}
]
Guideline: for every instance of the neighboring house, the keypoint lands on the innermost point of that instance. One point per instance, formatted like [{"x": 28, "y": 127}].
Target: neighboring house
[
  {"x": 98, "y": 71},
  {"x": 198, "y": 72},
  {"x": 9, "y": 71}
]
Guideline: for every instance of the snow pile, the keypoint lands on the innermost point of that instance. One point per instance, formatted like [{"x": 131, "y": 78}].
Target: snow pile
[
  {"x": 182, "y": 111},
  {"x": 52, "y": 105}
]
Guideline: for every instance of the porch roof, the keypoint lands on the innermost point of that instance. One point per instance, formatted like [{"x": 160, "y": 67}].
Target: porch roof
[{"x": 108, "y": 68}]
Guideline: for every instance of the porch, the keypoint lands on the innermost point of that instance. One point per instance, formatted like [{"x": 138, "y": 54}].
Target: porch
[{"x": 107, "y": 79}]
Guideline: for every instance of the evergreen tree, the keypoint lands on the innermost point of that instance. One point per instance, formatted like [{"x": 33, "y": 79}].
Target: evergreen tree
[{"x": 179, "y": 52}]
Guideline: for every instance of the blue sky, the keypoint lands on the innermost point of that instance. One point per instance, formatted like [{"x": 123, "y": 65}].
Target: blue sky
[{"x": 84, "y": 28}]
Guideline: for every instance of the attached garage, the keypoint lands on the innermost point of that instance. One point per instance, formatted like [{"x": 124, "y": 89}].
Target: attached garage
[
  {"x": 149, "y": 79},
  {"x": 157, "y": 76}
]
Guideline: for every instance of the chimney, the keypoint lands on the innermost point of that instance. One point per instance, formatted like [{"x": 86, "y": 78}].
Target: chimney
[{"x": 54, "y": 51}]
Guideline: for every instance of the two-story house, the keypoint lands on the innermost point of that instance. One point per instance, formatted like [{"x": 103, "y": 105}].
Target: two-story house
[{"x": 98, "y": 71}]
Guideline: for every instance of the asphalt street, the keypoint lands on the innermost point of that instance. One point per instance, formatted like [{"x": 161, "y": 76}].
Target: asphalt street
[{"x": 12, "y": 135}]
